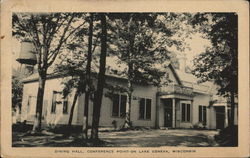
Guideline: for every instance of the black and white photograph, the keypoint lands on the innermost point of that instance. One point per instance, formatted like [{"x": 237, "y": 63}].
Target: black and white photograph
[
  {"x": 125, "y": 79},
  {"x": 90, "y": 79}
]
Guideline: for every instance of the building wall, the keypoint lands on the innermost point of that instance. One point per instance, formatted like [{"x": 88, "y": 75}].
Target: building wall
[
  {"x": 178, "y": 113},
  {"x": 198, "y": 99},
  {"x": 106, "y": 119},
  {"x": 186, "y": 124},
  {"x": 212, "y": 118},
  {"x": 203, "y": 99},
  {"x": 30, "y": 89}
]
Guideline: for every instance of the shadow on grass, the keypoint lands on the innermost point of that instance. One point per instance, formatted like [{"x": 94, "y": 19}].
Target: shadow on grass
[
  {"x": 154, "y": 138},
  {"x": 55, "y": 141},
  {"x": 188, "y": 141}
]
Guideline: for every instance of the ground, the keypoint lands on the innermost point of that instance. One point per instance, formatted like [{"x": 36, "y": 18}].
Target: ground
[{"x": 136, "y": 138}]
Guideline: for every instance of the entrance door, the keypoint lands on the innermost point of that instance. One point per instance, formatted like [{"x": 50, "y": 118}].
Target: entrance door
[
  {"x": 168, "y": 117},
  {"x": 220, "y": 117}
]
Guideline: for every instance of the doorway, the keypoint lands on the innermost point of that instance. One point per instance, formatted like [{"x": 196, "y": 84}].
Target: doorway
[
  {"x": 168, "y": 113},
  {"x": 168, "y": 117},
  {"x": 220, "y": 117}
]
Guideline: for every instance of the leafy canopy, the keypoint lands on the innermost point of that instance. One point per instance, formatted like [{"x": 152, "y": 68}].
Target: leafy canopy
[{"x": 219, "y": 62}]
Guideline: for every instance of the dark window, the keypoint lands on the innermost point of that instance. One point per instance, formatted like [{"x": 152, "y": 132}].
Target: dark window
[
  {"x": 119, "y": 105},
  {"x": 188, "y": 113},
  {"x": 115, "y": 111},
  {"x": 202, "y": 114},
  {"x": 185, "y": 112},
  {"x": 148, "y": 109},
  {"x": 65, "y": 106},
  {"x": 28, "y": 104},
  {"x": 123, "y": 105},
  {"x": 145, "y": 108},
  {"x": 53, "y": 106},
  {"x": 142, "y": 109},
  {"x": 229, "y": 114}
]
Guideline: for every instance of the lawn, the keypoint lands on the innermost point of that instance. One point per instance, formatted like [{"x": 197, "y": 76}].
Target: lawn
[{"x": 133, "y": 138}]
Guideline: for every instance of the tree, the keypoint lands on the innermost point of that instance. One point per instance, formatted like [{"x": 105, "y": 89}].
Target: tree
[
  {"x": 88, "y": 77},
  {"x": 17, "y": 92},
  {"x": 49, "y": 34},
  {"x": 101, "y": 78},
  {"x": 141, "y": 42},
  {"x": 73, "y": 67},
  {"x": 78, "y": 66},
  {"x": 219, "y": 63}
]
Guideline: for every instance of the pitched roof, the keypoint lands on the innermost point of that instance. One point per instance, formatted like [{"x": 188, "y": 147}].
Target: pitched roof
[
  {"x": 183, "y": 78},
  {"x": 190, "y": 80}
]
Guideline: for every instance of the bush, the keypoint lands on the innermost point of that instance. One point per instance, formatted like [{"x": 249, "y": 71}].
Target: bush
[
  {"x": 228, "y": 136},
  {"x": 199, "y": 125}
]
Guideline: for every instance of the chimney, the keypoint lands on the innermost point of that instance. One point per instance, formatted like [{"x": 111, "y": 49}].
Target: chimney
[{"x": 182, "y": 61}]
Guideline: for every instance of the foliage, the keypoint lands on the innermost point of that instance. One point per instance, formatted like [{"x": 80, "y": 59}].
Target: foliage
[
  {"x": 49, "y": 33},
  {"x": 140, "y": 42},
  {"x": 143, "y": 41},
  {"x": 219, "y": 62},
  {"x": 228, "y": 136},
  {"x": 17, "y": 92},
  {"x": 74, "y": 63}
]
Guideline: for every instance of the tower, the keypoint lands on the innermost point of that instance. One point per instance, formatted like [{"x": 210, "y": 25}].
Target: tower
[{"x": 27, "y": 57}]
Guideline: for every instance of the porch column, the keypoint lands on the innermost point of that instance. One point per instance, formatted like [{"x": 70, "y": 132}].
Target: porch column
[
  {"x": 226, "y": 117},
  {"x": 173, "y": 115},
  {"x": 158, "y": 102}
]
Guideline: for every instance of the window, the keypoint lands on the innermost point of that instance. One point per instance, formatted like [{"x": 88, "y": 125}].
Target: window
[
  {"x": 31, "y": 105},
  {"x": 53, "y": 106},
  {"x": 202, "y": 114},
  {"x": 119, "y": 105},
  {"x": 145, "y": 108},
  {"x": 28, "y": 104},
  {"x": 65, "y": 106},
  {"x": 185, "y": 112},
  {"x": 56, "y": 99}
]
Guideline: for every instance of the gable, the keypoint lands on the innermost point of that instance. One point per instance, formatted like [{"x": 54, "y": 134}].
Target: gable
[{"x": 173, "y": 75}]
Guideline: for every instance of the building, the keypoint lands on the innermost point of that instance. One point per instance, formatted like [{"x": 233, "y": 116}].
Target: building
[{"x": 182, "y": 104}]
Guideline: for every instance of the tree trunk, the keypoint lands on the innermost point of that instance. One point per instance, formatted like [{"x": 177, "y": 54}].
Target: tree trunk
[
  {"x": 68, "y": 132},
  {"x": 88, "y": 69},
  {"x": 37, "y": 126},
  {"x": 231, "y": 122},
  {"x": 101, "y": 79},
  {"x": 127, "y": 123}
]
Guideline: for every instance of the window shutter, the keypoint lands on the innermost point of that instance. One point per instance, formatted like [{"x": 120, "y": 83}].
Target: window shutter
[
  {"x": 204, "y": 115},
  {"x": 115, "y": 109},
  {"x": 183, "y": 111},
  {"x": 123, "y": 105},
  {"x": 142, "y": 108},
  {"x": 200, "y": 113},
  {"x": 148, "y": 109},
  {"x": 188, "y": 112}
]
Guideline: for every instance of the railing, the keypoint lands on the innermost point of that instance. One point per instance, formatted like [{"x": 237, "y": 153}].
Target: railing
[{"x": 177, "y": 89}]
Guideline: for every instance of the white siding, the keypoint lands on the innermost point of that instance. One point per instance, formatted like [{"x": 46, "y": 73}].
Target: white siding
[{"x": 106, "y": 108}]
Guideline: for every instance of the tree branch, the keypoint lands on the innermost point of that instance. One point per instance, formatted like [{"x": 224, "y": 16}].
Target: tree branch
[{"x": 63, "y": 39}]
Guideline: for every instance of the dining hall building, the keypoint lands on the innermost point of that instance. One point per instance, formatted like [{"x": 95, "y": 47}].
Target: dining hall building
[{"x": 184, "y": 103}]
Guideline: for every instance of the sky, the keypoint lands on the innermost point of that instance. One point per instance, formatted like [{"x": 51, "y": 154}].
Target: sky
[{"x": 197, "y": 45}]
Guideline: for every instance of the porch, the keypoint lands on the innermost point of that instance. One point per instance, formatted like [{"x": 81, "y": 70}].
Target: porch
[{"x": 174, "y": 107}]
